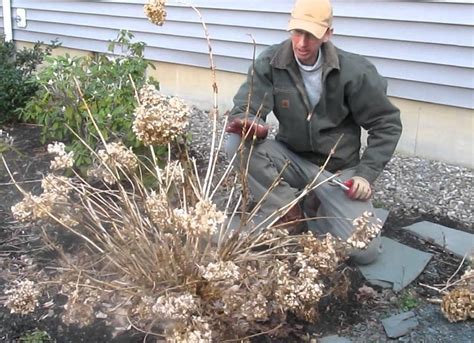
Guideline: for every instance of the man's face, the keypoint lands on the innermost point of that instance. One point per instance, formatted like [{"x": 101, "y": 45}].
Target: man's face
[{"x": 306, "y": 46}]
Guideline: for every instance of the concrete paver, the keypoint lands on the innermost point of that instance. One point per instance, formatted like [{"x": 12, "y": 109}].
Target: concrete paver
[
  {"x": 400, "y": 324},
  {"x": 397, "y": 266},
  {"x": 458, "y": 242}
]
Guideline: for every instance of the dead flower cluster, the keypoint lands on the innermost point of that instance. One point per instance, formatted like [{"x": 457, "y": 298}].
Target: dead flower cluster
[
  {"x": 367, "y": 228},
  {"x": 63, "y": 159},
  {"x": 165, "y": 259},
  {"x": 458, "y": 304},
  {"x": 116, "y": 157},
  {"x": 159, "y": 119},
  {"x": 23, "y": 297},
  {"x": 155, "y": 11}
]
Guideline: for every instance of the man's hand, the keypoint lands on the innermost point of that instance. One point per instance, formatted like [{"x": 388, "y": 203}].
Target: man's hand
[
  {"x": 359, "y": 188},
  {"x": 247, "y": 128}
]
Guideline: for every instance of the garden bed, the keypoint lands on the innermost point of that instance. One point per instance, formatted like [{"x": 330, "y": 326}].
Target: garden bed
[{"x": 356, "y": 317}]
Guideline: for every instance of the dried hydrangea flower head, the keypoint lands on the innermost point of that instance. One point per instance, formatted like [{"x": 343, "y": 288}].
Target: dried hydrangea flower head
[
  {"x": 319, "y": 252},
  {"x": 59, "y": 185},
  {"x": 155, "y": 11},
  {"x": 116, "y": 157},
  {"x": 33, "y": 207},
  {"x": 201, "y": 221},
  {"x": 293, "y": 292},
  {"x": 159, "y": 119},
  {"x": 53, "y": 200},
  {"x": 62, "y": 160},
  {"x": 256, "y": 307},
  {"x": 23, "y": 297},
  {"x": 198, "y": 332},
  {"x": 206, "y": 219},
  {"x": 221, "y": 271},
  {"x": 178, "y": 307},
  {"x": 158, "y": 208},
  {"x": 458, "y": 305},
  {"x": 366, "y": 230}
]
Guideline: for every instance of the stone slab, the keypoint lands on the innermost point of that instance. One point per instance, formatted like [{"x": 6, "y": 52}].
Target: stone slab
[
  {"x": 334, "y": 339},
  {"x": 458, "y": 242},
  {"x": 397, "y": 266},
  {"x": 400, "y": 324}
]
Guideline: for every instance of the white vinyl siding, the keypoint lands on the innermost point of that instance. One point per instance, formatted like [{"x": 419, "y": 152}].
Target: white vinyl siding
[
  {"x": 424, "y": 49},
  {"x": 2, "y": 25}
]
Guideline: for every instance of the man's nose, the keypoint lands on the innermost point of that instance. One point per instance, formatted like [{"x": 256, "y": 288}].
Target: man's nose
[{"x": 304, "y": 39}]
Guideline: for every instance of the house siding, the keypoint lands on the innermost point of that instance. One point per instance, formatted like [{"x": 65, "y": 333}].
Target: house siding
[
  {"x": 2, "y": 25},
  {"x": 424, "y": 57}
]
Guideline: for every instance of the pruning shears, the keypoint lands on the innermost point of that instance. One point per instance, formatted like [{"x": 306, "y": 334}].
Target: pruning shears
[{"x": 344, "y": 185}]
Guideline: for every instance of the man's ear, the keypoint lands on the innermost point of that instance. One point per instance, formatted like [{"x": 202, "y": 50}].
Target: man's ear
[{"x": 327, "y": 36}]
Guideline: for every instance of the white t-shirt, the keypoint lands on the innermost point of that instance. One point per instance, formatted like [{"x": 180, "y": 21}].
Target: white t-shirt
[{"x": 312, "y": 78}]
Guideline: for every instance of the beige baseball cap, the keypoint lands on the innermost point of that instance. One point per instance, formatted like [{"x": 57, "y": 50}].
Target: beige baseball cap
[{"x": 313, "y": 16}]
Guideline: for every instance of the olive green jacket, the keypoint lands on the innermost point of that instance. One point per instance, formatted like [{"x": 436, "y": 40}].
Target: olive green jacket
[{"x": 353, "y": 96}]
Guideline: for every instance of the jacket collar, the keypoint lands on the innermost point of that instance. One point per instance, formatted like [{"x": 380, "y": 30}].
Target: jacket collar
[{"x": 284, "y": 56}]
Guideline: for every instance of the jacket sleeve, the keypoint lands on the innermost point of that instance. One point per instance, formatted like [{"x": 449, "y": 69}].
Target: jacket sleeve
[
  {"x": 255, "y": 96},
  {"x": 372, "y": 110}
]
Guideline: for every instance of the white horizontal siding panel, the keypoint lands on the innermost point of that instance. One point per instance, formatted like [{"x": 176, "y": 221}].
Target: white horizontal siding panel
[
  {"x": 276, "y": 6},
  {"x": 174, "y": 13},
  {"x": 447, "y": 13},
  {"x": 460, "y": 35},
  {"x": 416, "y": 11},
  {"x": 282, "y": 6},
  {"x": 358, "y": 27},
  {"x": 104, "y": 9},
  {"x": 452, "y": 96},
  {"x": 408, "y": 70},
  {"x": 269, "y": 20},
  {"x": 174, "y": 28},
  {"x": 86, "y": 44},
  {"x": 408, "y": 51},
  {"x": 426, "y": 73},
  {"x": 190, "y": 44},
  {"x": 224, "y": 63},
  {"x": 2, "y": 24},
  {"x": 158, "y": 54},
  {"x": 407, "y": 45}
]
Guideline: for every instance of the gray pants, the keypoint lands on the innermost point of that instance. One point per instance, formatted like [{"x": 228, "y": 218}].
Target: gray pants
[{"x": 336, "y": 212}]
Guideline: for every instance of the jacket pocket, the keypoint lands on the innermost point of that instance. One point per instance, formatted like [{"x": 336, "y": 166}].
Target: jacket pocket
[{"x": 291, "y": 115}]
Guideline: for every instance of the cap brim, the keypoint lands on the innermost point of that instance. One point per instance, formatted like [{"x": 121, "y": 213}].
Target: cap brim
[{"x": 315, "y": 29}]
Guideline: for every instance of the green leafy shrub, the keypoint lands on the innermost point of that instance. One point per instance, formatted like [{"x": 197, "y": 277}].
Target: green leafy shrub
[
  {"x": 17, "y": 82},
  {"x": 106, "y": 86}
]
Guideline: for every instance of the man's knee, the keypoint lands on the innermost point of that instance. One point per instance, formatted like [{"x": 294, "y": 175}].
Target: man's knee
[
  {"x": 233, "y": 142},
  {"x": 231, "y": 145},
  {"x": 368, "y": 255}
]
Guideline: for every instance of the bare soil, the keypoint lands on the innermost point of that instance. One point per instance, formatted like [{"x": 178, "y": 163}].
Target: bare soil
[{"x": 355, "y": 316}]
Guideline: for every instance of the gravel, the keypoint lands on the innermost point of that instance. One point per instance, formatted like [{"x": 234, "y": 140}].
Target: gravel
[
  {"x": 414, "y": 186},
  {"x": 408, "y": 187},
  {"x": 432, "y": 327}
]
